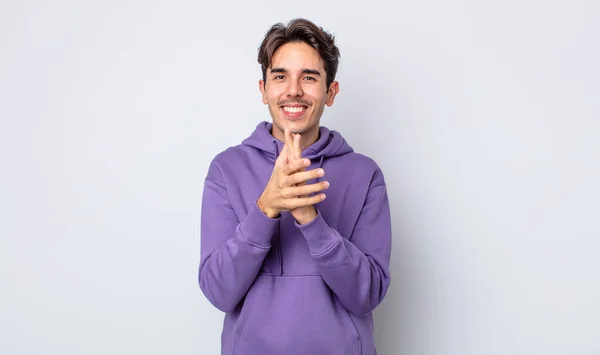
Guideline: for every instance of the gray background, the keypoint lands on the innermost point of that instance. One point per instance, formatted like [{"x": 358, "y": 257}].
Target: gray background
[{"x": 484, "y": 116}]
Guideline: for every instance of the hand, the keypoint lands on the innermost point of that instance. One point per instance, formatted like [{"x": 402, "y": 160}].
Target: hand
[
  {"x": 287, "y": 189},
  {"x": 304, "y": 214}
]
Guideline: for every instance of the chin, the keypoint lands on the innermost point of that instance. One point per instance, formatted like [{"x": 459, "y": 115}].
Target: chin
[
  {"x": 300, "y": 126},
  {"x": 297, "y": 127}
]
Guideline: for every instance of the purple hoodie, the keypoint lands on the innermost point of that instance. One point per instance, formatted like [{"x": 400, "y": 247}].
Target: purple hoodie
[{"x": 288, "y": 288}]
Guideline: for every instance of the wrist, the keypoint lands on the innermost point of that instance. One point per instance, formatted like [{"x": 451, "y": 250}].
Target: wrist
[
  {"x": 269, "y": 212},
  {"x": 305, "y": 215}
]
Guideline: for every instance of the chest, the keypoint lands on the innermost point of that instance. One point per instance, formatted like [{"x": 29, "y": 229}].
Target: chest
[{"x": 289, "y": 253}]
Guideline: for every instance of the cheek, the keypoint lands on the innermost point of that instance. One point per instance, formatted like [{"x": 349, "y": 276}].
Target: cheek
[
  {"x": 273, "y": 96},
  {"x": 268, "y": 98},
  {"x": 316, "y": 94}
]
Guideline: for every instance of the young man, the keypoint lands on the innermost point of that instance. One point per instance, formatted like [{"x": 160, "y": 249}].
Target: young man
[{"x": 295, "y": 227}]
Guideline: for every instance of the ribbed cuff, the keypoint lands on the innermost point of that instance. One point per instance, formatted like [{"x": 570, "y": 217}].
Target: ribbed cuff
[
  {"x": 258, "y": 229},
  {"x": 319, "y": 236}
]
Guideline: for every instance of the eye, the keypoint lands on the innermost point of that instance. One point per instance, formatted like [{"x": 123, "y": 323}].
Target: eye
[
  {"x": 309, "y": 78},
  {"x": 279, "y": 77}
]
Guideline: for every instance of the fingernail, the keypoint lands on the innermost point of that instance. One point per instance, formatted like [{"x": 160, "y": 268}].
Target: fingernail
[
  {"x": 320, "y": 172},
  {"x": 325, "y": 184},
  {"x": 323, "y": 196}
]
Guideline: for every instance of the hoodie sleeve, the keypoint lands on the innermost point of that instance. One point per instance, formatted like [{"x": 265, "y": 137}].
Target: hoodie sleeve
[
  {"x": 356, "y": 269},
  {"x": 232, "y": 251}
]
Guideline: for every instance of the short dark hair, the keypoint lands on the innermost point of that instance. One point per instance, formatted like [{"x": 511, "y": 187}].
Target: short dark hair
[{"x": 300, "y": 30}]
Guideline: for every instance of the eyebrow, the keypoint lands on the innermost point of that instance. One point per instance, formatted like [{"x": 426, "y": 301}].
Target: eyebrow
[{"x": 304, "y": 71}]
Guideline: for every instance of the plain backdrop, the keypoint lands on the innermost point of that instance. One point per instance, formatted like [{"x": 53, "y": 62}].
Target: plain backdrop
[{"x": 483, "y": 115}]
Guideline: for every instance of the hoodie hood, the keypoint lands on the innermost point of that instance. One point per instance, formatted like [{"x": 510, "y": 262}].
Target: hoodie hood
[{"x": 330, "y": 143}]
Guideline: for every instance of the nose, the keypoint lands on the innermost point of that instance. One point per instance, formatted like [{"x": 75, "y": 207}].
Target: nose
[{"x": 294, "y": 89}]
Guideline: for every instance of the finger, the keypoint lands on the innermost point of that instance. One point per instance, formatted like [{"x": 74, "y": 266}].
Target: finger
[
  {"x": 289, "y": 139},
  {"x": 305, "y": 201},
  {"x": 289, "y": 143},
  {"x": 302, "y": 176},
  {"x": 283, "y": 157},
  {"x": 297, "y": 150},
  {"x": 295, "y": 165},
  {"x": 304, "y": 190}
]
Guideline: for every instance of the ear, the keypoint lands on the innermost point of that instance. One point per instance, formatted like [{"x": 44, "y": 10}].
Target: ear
[
  {"x": 334, "y": 88},
  {"x": 263, "y": 91}
]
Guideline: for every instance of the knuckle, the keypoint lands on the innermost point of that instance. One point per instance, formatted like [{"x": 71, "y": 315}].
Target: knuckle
[
  {"x": 285, "y": 181},
  {"x": 298, "y": 178},
  {"x": 291, "y": 204}
]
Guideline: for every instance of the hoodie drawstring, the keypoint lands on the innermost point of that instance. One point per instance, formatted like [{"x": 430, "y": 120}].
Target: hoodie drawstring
[
  {"x": 278, "y": 268},
  {"x": 320, "y": 165},
  {"x": 275, "y": 148}
]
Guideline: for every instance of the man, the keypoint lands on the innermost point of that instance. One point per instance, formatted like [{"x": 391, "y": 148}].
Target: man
[{"x": 295, "y": 227}]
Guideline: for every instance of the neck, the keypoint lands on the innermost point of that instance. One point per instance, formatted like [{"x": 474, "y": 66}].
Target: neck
[{"x": 306, "y": 140}]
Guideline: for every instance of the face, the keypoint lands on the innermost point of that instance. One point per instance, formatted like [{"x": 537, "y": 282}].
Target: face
[{"x": 296, "y": 91}]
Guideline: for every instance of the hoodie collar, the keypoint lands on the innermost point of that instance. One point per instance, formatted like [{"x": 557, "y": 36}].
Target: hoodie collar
[{"x": 330, "y": 143}]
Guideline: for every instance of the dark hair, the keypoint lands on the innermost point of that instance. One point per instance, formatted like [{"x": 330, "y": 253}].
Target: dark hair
[{"x": 300, "y": 30}]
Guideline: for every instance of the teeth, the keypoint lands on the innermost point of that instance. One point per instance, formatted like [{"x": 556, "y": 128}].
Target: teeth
[{"x": 293, "y": 109}]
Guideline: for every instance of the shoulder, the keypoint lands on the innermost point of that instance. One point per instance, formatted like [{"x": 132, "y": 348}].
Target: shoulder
[
  {"x": 359, "y": 165},
  {"x": 231, "y": 153},
  {"x": 356, "y": 162},
  {"x": 228, "y": 159},
  {"x": 361, "y": 160}
]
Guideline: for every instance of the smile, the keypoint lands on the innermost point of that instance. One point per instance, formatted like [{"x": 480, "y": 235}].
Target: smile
[{"x": 295, "y": 109}]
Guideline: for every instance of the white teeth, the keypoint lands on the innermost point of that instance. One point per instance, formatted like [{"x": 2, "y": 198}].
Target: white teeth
[{"x": 293, "y": 109}]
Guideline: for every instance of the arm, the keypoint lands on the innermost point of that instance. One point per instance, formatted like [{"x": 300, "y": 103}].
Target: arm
[
  {"x": 356, "y": 270},
  {"x": 232, "y": 252}
]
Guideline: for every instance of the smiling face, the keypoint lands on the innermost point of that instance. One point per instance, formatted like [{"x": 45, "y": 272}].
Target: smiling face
[{"x": 296, "y": 91}]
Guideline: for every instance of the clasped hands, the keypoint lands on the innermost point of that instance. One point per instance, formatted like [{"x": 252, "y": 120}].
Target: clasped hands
[{"x": 287, "y": 189}]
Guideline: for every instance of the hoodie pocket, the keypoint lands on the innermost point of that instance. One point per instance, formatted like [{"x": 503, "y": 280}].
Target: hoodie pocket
[
  {"x": 246, "y": 308},
  {"x": 295, "y": 315},
  {"x": 350, "y": 327}
]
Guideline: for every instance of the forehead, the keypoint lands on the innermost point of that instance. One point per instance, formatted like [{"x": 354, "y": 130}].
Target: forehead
[{"x": 296, "y": 56}]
